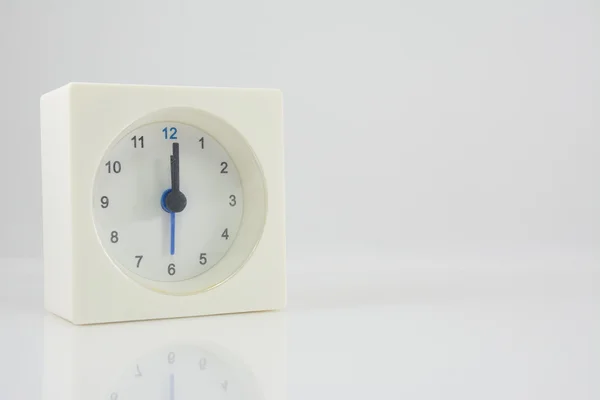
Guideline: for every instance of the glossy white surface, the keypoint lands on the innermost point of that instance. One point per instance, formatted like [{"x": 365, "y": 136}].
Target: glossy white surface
[{"x": 414, "y": 328}]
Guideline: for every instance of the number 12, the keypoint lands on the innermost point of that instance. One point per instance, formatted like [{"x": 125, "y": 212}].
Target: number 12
[{"x": 173, "y": 131}]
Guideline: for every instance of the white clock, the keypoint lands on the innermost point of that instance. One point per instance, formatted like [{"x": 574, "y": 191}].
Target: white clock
[{"x": 162, "y": 201}]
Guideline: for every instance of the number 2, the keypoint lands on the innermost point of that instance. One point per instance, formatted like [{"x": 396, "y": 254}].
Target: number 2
[{"x": 173, "y": 134}]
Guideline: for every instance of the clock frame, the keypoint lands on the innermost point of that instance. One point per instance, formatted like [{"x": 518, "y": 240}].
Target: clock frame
[{"x": 79, "y": 122}]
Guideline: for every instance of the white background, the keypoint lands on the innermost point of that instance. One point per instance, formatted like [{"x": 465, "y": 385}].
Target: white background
[{"x": 440, "y": 155}]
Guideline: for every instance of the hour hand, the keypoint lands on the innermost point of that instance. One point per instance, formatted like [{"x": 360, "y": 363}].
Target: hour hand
[{"x": 175, "y": 201}]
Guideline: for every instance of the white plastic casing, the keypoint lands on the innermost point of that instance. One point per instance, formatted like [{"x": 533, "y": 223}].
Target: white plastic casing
[{"x": 79, "y": 122}]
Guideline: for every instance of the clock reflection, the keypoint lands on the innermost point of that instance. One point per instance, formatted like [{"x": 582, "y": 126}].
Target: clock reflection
[
  {"x": 187, "y": 372},
  {"x": 226, "y": 357}
]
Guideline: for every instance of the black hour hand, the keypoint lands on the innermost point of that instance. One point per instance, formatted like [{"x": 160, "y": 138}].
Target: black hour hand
[{"x": 175, "y": 200}]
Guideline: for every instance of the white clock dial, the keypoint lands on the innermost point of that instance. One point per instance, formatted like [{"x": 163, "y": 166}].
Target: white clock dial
[{"x": 168, "y": 201}]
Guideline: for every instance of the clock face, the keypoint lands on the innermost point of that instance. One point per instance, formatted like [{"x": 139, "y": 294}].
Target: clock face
[
  {"x": 167, "y": 201},
  {"x": 186, "y": 372}
]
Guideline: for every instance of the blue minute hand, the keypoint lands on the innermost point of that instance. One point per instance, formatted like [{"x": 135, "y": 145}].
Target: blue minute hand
[{"x": 172, "y": 233}]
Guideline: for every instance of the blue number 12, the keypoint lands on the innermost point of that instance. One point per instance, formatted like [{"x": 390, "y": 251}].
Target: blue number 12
[{"x": 173, "y": 133}]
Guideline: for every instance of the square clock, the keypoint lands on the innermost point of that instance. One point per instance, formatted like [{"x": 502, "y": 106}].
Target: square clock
[{"x": 161, "y": 201}]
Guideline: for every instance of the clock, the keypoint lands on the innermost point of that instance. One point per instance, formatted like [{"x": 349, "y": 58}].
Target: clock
[{"x": 162, "y": 201}]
